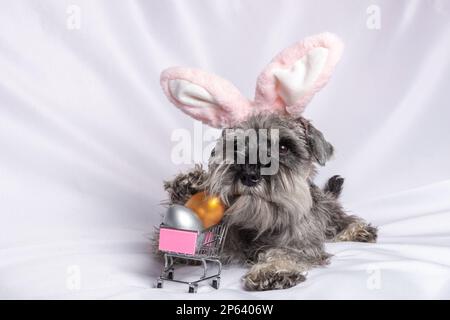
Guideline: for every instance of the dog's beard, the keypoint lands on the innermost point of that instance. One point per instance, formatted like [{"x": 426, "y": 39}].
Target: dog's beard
[{"x": 273, "y": 206}]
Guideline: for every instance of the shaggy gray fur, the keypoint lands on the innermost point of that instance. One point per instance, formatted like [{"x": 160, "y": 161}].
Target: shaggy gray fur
[{"x": 278, "y": 226}]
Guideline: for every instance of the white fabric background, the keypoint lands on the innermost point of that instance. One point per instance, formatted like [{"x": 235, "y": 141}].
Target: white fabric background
[{"x": 85, "y": 139}]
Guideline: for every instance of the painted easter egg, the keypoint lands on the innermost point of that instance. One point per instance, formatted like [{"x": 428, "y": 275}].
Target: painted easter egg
[
  {"x": 181, "y": 217},
  {"x": 209, "y": 209}
]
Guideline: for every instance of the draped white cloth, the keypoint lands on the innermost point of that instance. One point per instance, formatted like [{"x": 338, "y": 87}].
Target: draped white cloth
[{"x": 85, "y": 138}]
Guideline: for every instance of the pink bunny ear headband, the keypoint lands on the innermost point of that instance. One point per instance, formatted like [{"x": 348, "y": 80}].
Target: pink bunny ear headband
[{"x": 285, "y": 86}]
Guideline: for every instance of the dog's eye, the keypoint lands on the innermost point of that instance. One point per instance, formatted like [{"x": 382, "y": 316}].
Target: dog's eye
[{"x": 283, "y": 148}]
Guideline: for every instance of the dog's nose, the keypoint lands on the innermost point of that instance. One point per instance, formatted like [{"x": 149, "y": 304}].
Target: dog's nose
[{"x": 250, "y": 175}]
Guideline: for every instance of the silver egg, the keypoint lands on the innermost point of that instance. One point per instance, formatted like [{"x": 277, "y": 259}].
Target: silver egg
[{"x": 181, "y": 217}]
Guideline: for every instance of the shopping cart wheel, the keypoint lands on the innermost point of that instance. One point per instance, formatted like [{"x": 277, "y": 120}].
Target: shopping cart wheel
[
  {"x": 193, "y": 288},
  {"x": 216, "y": 283},
  {"x": 170, "y": 275},
  {"x": 159, "y": 284}
]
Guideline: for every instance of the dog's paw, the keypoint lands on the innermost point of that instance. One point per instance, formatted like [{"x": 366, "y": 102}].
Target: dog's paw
[
  {"x": 358, "y": 232},
  {"x": 269, "y": 277},
  {"x": 184, "y": 185}
]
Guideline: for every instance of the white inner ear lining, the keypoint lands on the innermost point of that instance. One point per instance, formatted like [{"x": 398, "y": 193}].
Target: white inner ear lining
[
  {"x": 296, "y": 81},
  {"x": 190, "y": 94}
]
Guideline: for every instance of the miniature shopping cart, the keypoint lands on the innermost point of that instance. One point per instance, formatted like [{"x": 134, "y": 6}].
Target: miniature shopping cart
[{"x": 204, "y": 246}]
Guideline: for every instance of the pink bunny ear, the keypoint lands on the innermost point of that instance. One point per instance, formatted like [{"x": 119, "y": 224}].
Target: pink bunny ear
[
  {"x": 205, "y": 97},
  {"x": 293, "y": 77}
]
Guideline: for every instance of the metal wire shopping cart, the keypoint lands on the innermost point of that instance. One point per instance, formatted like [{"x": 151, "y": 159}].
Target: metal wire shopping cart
[{"x": 204, "y": 246}]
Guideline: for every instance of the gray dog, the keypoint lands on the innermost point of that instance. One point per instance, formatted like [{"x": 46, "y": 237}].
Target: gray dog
[{"x": 278, "y": 223}]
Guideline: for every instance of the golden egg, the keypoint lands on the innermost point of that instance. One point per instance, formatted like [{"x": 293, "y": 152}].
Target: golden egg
[{"x": 209, "y": 209}]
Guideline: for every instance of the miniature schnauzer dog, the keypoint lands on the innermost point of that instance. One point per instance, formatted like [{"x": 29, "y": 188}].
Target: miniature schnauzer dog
[{"x": 277, "y": 223}]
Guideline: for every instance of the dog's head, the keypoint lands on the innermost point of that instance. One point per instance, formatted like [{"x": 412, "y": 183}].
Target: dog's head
[
  {"x": 253, "y": 185},
  {"x": 265, "y": 150},
  {"x": 264, "y": 165}
]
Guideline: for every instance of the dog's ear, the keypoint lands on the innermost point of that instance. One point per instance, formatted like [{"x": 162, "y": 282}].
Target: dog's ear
[
  {"x": 320, "y": 149},
  {"x": 205, "y": 97}
]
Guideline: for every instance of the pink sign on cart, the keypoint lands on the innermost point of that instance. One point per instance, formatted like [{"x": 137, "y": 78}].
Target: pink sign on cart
[{"x": 178, "y": 241}]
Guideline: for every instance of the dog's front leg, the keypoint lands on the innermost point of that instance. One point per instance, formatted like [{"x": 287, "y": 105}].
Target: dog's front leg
[{"x": 276, "y": 269}]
